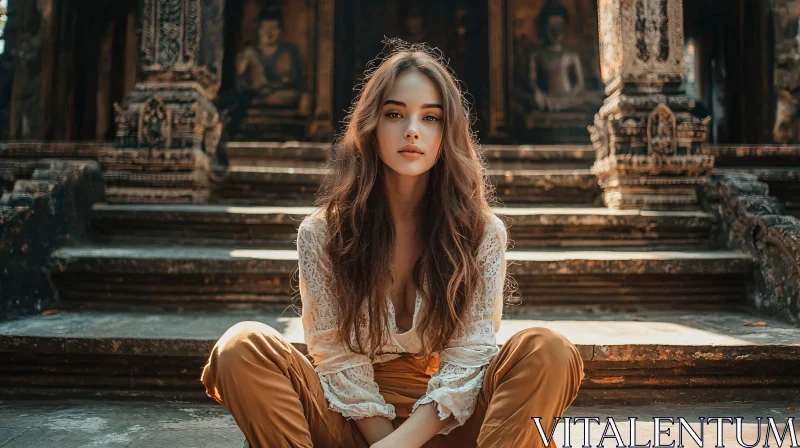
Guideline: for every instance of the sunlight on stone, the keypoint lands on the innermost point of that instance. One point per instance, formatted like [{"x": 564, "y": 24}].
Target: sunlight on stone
[
  {"x": 264, "y": 210},
  {"x": 293, "y": 331},
  {"x": 265, "y": 254},
  {"x": 616, "y": 332}
]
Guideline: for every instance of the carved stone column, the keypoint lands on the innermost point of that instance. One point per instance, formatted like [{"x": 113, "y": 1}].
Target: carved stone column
[
  {"x": 168, "y": 128},
  {"x": 646, "y": 135}
]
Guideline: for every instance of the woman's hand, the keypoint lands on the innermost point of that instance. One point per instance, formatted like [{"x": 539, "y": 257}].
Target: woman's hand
[{"x": 417, "y": 430}]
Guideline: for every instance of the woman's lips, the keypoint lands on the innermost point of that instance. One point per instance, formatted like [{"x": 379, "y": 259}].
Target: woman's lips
[
  {"x": 411, "y": 152},
  {"x": 410, "y": 148},
  {"x": 411, "y": 155}
]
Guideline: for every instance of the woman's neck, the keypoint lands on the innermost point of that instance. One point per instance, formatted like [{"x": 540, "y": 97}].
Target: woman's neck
[{"x": 405, "y": 196}]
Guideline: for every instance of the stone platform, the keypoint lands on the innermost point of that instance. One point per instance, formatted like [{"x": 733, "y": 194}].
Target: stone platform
[
  {"x": 124, "y": 424},
  {"x": 631, "y": 356}
]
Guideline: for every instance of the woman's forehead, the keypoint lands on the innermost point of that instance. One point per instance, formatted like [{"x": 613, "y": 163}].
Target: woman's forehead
[{"x": 414, "y": 88}]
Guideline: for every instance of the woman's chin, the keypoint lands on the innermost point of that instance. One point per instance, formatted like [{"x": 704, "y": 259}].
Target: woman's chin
[{"x": 409, "y": 168}]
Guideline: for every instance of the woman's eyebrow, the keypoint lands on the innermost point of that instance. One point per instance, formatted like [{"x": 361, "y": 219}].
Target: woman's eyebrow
[{"x": 424, "y": 106}]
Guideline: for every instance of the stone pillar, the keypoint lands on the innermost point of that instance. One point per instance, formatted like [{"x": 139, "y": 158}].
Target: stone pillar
[
  {"x": 167, "y": 127},
  {"x": 497, "y": 48},
  {"x": 646, "y": 135}
]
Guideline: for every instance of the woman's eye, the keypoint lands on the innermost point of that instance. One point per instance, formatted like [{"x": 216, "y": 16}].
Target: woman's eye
[
  {"x": 434, "y": 118},
  {"x": 393, "y": 114}
]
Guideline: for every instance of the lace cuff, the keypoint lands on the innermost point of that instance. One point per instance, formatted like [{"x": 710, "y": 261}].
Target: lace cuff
[
  {"x": 349, "y": 394},
  {"x": 455, "y": 390}
]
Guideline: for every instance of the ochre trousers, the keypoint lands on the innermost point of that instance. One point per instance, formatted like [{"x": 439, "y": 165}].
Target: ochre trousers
[{"x": 275, "y": 397}]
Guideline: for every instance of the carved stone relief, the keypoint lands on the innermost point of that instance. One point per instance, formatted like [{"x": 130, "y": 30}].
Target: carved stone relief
[
  {"x": 180, "y": 40},
  {"x": 755, "y": 223},
  {"x": 661, "y": 132},
  {"x": 154, "y": 124}
]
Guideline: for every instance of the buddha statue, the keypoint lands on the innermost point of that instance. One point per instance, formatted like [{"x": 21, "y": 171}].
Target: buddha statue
[
  {"x": 555, "y": 73},
  {"x": 268, "y": 70}
]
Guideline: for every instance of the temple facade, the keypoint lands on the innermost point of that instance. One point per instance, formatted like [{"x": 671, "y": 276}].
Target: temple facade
[
  {"x": 157, "y": 156},
  {"x": 536, "y": 71}
]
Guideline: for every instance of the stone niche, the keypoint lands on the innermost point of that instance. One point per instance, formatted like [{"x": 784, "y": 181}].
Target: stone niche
[
  {"x": 457, "y": 28},
  {"x": 556, "y": 85},
  {"x": 278, "y": 79},
  {"x": 786, "y": 16}
]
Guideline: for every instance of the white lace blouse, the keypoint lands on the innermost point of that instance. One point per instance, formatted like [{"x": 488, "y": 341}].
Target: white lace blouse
[{"x": 347, "y": 378}]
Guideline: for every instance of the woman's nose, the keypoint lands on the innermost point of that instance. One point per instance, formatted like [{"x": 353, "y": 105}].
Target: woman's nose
[{"x": 412, "y": 134}]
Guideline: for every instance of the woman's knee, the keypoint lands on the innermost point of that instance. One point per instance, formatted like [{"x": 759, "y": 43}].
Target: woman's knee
[
  {"x": 242, "y": 342},
  {"x": 549, "y": 349}
]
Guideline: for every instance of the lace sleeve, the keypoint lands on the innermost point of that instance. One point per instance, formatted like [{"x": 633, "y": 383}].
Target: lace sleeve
[
  {"x": 347, "y": 378},
  {"x": 455, "y": 387}
]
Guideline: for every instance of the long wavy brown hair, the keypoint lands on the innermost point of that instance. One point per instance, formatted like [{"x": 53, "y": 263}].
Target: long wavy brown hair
[{"x": 360, "y": 228}]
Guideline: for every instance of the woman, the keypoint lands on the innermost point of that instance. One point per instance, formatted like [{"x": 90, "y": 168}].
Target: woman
[{"x": 405, "y": 204}]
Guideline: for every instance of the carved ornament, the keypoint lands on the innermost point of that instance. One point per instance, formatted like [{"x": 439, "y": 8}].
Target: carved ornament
[
  {"x": 661, "y": 132},
  {"x": 641, "y": 41}
]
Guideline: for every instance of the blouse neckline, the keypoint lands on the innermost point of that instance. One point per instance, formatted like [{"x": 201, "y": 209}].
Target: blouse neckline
[{"x": 393, "y": 315}]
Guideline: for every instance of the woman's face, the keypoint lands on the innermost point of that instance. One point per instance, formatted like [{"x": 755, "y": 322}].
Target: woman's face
[{"x": 412, "y": 114}]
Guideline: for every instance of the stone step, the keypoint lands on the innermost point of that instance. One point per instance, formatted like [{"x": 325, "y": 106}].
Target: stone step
[
  {"x": 217, "y": 276},
  {"x": 54, "y": 149},
  {"x": 276, "y": 226},
  {"x": 308, "y": 154},
  {"x": 293, "y": 153},
  {"x": 753, "y": 155},
  {"x": 629, "y": 357},
  {"x": 282, "y": 185},
  {"x": 539, "y": 154},
  {"x": 140, "y": 424}
]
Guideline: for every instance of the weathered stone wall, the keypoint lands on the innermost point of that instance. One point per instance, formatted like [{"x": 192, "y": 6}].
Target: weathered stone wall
[
  {"x": 47, "y": 207},
  {"x": 752, "y": 221}
]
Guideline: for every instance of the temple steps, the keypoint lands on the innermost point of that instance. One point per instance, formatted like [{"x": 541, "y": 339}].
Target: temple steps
[
  {"x": 289, "y": 185},
  {"x": 276, "y": 226},
  {"x": 630, "y": 357},
  {"x": 202, "y": 277},
  {"x": 290, "y": 173},
  {"x": 316, "y": 154}
]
